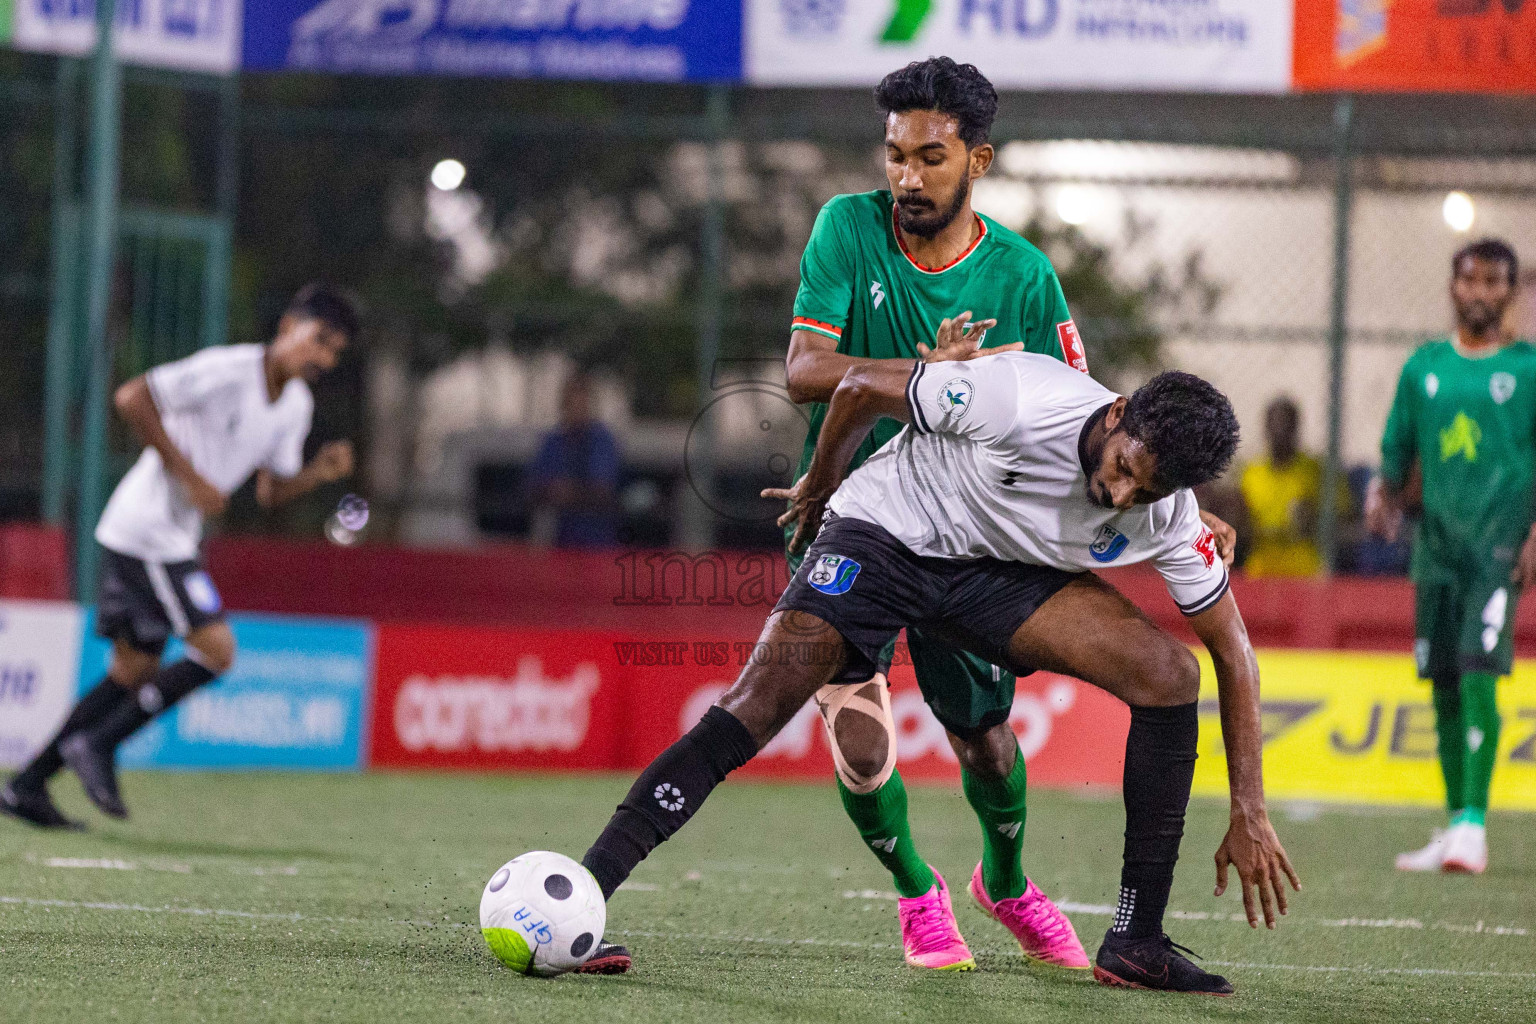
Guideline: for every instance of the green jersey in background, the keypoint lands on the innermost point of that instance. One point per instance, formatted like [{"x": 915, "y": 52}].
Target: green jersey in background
[
  {"x": 1471, "y": 424},
  {"x": 859, "y": 286}
]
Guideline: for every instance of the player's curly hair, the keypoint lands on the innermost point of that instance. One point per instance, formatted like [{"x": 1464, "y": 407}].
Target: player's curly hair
[
  {"x": 938, "y": 83},
  {"x": 1187, "y": 425}
]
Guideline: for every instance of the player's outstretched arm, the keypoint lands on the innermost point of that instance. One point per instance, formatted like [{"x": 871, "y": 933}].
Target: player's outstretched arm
[
  {"x": 331, "y": 463},
  {"x": 1251, "y": 845},
  {"x": 814, "y": 367},
  {"x": 135, "y": 403},
  {"x": 868, "y": 391}
]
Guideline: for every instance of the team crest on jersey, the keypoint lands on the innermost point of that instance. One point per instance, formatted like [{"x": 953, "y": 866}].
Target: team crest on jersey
[
  {"x": 1431, "y": 384},
  {"x": 1502, "y": 387},
  {"x": 1205, "y": 547},
  {"x": 1108, "y": 545},
  {"x": 955, "y": 397},
  {"x": 833, "y": 574}
]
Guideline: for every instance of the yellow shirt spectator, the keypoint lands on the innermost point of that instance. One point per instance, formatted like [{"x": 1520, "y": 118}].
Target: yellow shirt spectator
[{"x": 1282, "y": 503}]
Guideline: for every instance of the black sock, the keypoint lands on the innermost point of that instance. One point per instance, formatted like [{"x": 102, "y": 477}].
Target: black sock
[
  {"x": 667, "y": 793},
  {"x": 163, "y": 690},
  {"x": 100, "y": 701},
  {"x": 1159, "y": 770}
]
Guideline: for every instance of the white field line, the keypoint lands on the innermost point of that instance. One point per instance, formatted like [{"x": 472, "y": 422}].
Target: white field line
[
  {"x": 764, "y": 940},
  {"x": 113, "y": 864}
]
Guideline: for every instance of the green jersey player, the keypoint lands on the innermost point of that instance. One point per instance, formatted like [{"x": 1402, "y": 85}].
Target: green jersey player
[
  {"x": 881, "y": 273},
  {"x": 1464, "y": 421}
]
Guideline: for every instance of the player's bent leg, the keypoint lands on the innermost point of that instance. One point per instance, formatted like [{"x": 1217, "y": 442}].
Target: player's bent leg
[
  {"x": 993, "y": 776},
  {"x": 768, "y": 693},
  {"x": 1089, "y": 630},
  {"x": 26, "y": 796},
  {"x": 91, "y": 753}
]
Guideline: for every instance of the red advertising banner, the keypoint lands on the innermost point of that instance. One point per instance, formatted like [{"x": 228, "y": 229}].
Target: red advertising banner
[
  {"x": 454, "y": 697},
  {"x": 462, "y": 697},
  {"x": 1416, "y": 45}
]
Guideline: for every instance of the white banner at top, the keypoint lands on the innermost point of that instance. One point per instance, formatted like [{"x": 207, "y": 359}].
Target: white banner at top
[
  {"x": 1146, "y": 45},
  {"x": 192, "y": 35}
]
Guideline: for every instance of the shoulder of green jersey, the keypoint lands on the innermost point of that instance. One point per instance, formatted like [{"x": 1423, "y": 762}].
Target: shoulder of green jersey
[{"x": 1019, "y": 248}]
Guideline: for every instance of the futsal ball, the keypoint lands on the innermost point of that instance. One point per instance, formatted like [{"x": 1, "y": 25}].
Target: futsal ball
[{"x": 542, "y": 913}]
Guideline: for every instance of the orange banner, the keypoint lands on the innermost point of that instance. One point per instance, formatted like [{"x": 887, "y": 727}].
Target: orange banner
[{"x": 1416, "y": 45}]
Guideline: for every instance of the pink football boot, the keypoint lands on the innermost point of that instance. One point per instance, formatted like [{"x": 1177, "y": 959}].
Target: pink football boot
[
  {"x": 929, "y": 933},
  {"x": 1044, "y": 933}
]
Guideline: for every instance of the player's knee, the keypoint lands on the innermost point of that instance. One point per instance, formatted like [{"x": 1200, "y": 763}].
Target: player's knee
[
  {"x": 132, "y": 668},
  {"x": 213, "y": 647},
  {"x": 988, "y": 755},
  {"x": 1170, "y": 675},
  {"x": 861, "y": 733}
]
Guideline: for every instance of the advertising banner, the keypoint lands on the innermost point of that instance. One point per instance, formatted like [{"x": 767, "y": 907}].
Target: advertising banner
[
  {"x": 1360, "y": 728},
  {"x": 645, "y": 40},
  {"x": 1416, "y": 45},
  {"x": 297, "y": 698},
  {"x": 1210, "y": 46},
  {"x": 452, "y": 697},
  {"x": 193, "y": 35},
  {"x": 39, "y": 656}
]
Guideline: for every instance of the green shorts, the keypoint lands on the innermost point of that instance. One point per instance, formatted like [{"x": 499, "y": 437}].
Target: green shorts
[
  {"x": 1466, "y": 624},
  {"x": 967, "y": 694}
]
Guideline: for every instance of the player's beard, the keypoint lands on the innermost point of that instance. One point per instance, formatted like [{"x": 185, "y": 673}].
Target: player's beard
[
  {"x": 1479, "y": 317},
  {"x": 925, "y": 220}
]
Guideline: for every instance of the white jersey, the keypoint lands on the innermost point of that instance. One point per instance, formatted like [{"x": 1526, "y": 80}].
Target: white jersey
[
  {"x": 989, "y": 466},
  {"x": 215, "y": 408}
]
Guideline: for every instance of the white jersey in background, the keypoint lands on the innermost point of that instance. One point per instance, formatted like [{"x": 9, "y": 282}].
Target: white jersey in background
[
  {"x": 215, "y": 408},
  {"x": 989, "y": 466}
]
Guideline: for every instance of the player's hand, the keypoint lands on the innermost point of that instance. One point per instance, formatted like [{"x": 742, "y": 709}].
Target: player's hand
[
  {"x": 205, "y": 497},
  {"x": 1226, "y": 537},
  {"x": 805, "y": 511},
  {"x": 959, "y": 340},
  {"x": 1252, "y": 847},
  {"x": 1525, "y": 568},
  {"x": 1383, "y": 516},
  {"x": 334, "y": 461}
]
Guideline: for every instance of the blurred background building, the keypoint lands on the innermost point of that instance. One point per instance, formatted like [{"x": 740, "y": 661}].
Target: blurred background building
[{"x": 1266, "y": 195}]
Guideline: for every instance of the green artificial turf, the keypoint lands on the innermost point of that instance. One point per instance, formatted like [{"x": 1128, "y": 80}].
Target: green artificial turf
[{"x": 354, "y": 898}]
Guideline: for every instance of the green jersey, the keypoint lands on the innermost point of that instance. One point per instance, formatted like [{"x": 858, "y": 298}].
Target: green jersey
[
  {"x": 860, "y": 286},
  {"x": 1471, "y": 424}
]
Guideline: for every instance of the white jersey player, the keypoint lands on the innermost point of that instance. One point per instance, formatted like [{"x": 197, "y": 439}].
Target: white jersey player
[
  {"x": 977, "y": 523},
  {"x": 994, "y": 464},
  {"x": 208, "y": 422}
]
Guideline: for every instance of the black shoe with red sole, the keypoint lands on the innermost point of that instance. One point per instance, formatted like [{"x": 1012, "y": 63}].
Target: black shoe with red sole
[
  {"x": 1154, "y": 962},
  {"x": 608, "y": 958}
]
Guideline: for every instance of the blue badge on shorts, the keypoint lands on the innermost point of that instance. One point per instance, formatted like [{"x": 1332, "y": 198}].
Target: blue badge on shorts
[
  {"x": 1108, "y": 545},
  {"x": 202, "y": 593},
  {"x": 833, "y": 574}
]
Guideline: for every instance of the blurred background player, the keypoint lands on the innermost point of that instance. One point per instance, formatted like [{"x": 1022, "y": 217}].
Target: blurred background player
[
  {"x": 882, "y": 269},
  {"x": 1464, "y": 417},
  {"x": 207, "y": 423}
]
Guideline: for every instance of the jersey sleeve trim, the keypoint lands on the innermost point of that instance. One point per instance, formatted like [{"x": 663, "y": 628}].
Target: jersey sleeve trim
[
  {"x": 915, "y": 407},
  {"x": 1208, "y": 601},
  {"x": 805, "y": 323}
]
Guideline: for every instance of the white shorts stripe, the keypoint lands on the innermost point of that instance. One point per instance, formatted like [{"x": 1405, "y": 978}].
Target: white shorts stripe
[{"x": 166, "y": 592}]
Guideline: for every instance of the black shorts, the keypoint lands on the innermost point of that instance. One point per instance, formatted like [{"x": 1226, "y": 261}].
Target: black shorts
[
  {"x": 145, "y": 603},
  {"x": 868, "y": 585}
]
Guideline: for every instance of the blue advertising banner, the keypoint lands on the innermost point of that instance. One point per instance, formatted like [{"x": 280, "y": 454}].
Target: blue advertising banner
[
  {"x": 296, "y": 698},
  {"x": 645, "y": 40}
]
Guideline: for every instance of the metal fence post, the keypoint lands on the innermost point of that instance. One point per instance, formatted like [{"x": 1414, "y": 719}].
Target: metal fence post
[
  {"x": 1338, "y": 328},
  {"x": 64, "y": 294},
  {"x": 217, "y": 259},
  {"x": 697, "y": 532},
  {"x": 100, "y": 222}
]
